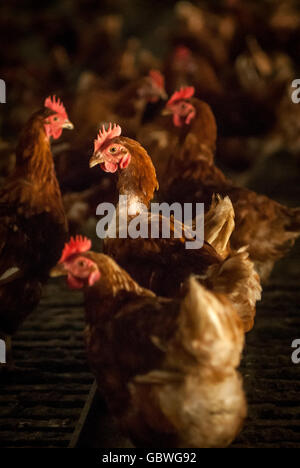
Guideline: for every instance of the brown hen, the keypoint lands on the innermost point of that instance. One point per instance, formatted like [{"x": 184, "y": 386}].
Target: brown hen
[
  {"x": 33, "y": 227},
  {"x": 167, "y": 368},
  {"x": 162, "y": 263},
  {"x": 268, "y": 228}
]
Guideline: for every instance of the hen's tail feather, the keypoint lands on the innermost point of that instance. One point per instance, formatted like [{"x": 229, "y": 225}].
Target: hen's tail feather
[
  {"x": 209, "y": 323},
  {"x": 237, "y": 278},
  {"x": 219, "y": 224}
]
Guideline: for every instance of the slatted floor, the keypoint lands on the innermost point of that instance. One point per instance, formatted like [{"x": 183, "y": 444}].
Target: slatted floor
[
  {"x": 272, "y": 381},
  {"x": 40, "y": 402}
]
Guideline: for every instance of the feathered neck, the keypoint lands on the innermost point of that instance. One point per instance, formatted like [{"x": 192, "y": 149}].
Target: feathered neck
[
  {"x": 34, "y": 159},
  {"x": 34, "y": 182},
  {"x": 204, "y": 125},
  {"x": 138, "y": 181},
  {"x": 114, "y": 287}
]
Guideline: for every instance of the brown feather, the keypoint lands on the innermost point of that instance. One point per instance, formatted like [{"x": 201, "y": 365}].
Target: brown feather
[
  {"x": 162, "y": 265},
  {"x": 33, "y": 225},
  {"x": 268, "y": 228},
  {"x": 167, "y": 368}
]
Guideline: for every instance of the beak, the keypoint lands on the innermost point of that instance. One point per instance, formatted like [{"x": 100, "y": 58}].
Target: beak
[
  {"x": 163, "y": 95},
  {"x": 166, "y": 111},
  {"x": 58, "y": 270},
  {"x": 96, "y": 159},
  {"x": 68, "y": 125}
]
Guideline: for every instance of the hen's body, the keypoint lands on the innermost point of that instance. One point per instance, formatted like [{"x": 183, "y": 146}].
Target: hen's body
[
  {"x": 160, "y": 264},
  {"x": 268, "y": 228},
  {"x": 164, "y": 142},
  {"x": 32, "y": 226},
  {"x": 163, "y": 264},
  {"x": 167, "y": 368}
]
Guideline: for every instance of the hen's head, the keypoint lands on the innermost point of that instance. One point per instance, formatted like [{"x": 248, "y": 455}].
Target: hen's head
[
  {"x": 110, "y": 151},
  {"x": 86, "y": 269},
  {"x": 153, "y": 87},
  {"x": 81, "y": 270},
  {"x": 136, "y": 173},
  {"x": 180, "y": 106},
  {"x": 56, "y": 122},
  {"x": 183, "y": 60}
]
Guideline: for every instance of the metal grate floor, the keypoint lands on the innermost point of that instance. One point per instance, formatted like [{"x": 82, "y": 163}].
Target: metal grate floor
[
  {"x": 41, "y": 401},
  {"x": 272, "y": 381}
]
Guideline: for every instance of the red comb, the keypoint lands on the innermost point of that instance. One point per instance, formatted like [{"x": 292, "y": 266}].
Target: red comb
[
  {"x": 158, "y": 78},
  {"x": 183, "y": 93},
  {"x": 75, "y": 245},
  {"x": 182, "y": 52},
  {"x": 106, "y": 135},
  {"x": 56, "y": 105}
]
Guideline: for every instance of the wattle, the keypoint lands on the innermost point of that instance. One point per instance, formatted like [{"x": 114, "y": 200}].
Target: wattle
[
  {"x": 125, "y": 161},
  {"x": 94, "y": 277},
  {"x": 53, "y": 132},
  {"x": 56, "y": 133},
  {"x": 74, "y": 283},
  {"x": 190, "y": 117},
  {"x": 108, "y": 166},
  {"x": 177, "y": 120}
]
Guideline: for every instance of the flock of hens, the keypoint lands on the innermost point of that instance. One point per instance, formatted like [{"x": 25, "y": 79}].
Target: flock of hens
[{"x": 165, "y": 326}]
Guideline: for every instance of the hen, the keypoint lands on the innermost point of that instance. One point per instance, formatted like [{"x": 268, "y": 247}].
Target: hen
[
  {"x": 167, "y": 368},
  {"x": 161, "y": 137},
  {"x": 268, "y": 228},
  {"x": 33, "y": 226},
  {"x": 204, "y": 33},
  {"x": 162, "y": 263},
  {"x": 96, "y": 104},
  {"x": 183, "y": 68}
]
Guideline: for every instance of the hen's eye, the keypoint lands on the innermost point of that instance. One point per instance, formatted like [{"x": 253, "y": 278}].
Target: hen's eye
[
  {"x": 81, "y": 263},
  {"x": 113, "y": 149},
  {"x": 55, "y": 119}
]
